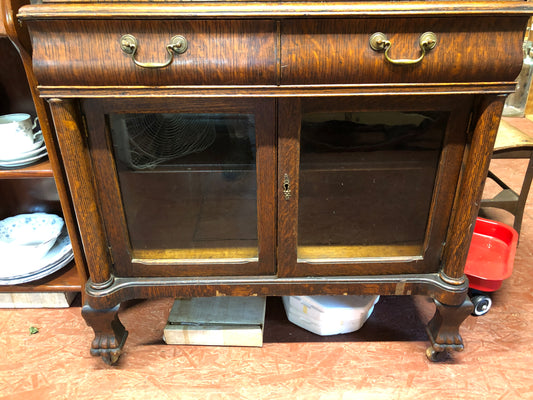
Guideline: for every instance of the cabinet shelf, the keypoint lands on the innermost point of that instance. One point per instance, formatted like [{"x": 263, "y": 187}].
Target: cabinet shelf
[
  {"x": 40, "y": 170},
  {"x": 64, "y": 280}
]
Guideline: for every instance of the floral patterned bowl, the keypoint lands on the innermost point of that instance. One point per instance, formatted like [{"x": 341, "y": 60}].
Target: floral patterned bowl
[{"x": 28, "y": 237}]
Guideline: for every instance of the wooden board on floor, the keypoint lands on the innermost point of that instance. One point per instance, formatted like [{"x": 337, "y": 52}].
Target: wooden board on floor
[
  {"x": 217, "y": 321},
  {"x": 37, "y": 299}
]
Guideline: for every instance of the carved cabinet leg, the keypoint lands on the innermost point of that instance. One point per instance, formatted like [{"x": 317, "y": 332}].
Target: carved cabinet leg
[
  {"x": 109, "y": 333},
  {"x": 443, "y": 329}
]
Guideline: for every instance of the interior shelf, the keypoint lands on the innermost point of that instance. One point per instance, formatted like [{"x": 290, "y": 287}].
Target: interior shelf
[
  {"x": 40, "y": 170},
  {"x": 64, "y": 280}
]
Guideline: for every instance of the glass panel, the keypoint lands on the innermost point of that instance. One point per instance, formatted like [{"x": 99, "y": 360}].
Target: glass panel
[
  {"x": 366, "y": 183},
  {"x": 188, "y": 184}
]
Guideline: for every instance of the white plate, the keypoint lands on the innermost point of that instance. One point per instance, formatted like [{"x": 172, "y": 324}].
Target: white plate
[
  {"x": 10, "y": 271},
  {"x": 24, "y": 161},
  {"x": 24, "y": 156},
  {"x": 37, "y": 145},
  {"x": 40, "y": 274},
  {"x": 43, "y": 273}
]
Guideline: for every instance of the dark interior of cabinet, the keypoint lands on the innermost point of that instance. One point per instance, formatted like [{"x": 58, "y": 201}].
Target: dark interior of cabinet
[
  {"x": 15, "y": 96},
  {"x": 28, "y": 195},
  {"x": 188, "y": 183},
  {"x": 367, "y": 182}
]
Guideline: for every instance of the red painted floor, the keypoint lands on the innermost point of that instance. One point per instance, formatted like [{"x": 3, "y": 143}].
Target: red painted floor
[{"x": 384, "y": 360}]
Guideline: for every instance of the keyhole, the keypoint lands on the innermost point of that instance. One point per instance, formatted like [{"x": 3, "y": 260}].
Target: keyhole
[{"x": 286, "y": 187}]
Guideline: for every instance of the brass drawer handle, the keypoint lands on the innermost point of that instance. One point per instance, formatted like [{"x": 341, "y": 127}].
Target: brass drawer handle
[
  {"x": 177, "y": 45},
  {"x": 380, "y": 42}
]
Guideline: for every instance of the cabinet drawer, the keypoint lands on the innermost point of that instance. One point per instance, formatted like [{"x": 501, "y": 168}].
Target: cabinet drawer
[
  {"x": 224, "y": 52},
  {"x": 331, "y": 51}
]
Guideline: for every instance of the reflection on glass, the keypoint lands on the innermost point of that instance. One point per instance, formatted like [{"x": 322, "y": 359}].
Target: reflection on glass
[
  {"x": 366, "y": 183},
  {"x": 188, "y": 184}
]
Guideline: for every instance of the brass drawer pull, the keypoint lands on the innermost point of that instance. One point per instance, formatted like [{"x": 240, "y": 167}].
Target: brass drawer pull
[
  {"x": 129, "y": 45},
  {"x": 380, "y": 42}
]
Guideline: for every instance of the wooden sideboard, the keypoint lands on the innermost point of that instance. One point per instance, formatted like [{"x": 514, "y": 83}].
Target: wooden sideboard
[{"x": 266, "y": 149}]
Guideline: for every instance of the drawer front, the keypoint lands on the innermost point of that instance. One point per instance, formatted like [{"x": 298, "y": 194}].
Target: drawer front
[
  {"x": 225, "y": 52},
  {"x": 338, "y": 51}
]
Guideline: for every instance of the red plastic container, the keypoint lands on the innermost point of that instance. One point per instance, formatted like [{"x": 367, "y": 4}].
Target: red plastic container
[{"x": 491, "y": 255}]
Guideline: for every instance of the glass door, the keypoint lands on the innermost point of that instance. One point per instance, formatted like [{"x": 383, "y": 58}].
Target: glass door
[
  {"x": 194, "y": 181},
  {"x": 371, "y": 186}
]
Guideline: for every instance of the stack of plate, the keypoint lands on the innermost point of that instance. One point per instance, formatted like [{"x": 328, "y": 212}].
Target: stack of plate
[
  {"x": 29, "y": 156},
  {"x": 32, "y": 246}
]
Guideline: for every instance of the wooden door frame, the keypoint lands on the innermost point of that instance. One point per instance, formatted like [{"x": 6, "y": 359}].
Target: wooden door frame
[
  {"x": 110, "y": 200},
  {"x": 290, "y": 112}
]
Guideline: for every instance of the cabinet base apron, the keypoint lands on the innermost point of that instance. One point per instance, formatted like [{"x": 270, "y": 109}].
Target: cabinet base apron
[{"x": 101, "y": 309}]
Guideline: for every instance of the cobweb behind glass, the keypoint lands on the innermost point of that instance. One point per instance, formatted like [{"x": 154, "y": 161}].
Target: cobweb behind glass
[{"x": 152, "y": 139}]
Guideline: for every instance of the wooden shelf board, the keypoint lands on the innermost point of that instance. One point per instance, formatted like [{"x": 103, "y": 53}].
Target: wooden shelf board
[
  {"x": 64, "y": 280},
  {"x": 40, "y": 170}
]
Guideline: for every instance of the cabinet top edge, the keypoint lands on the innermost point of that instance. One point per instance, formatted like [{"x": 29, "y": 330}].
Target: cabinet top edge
[{"x": 271, "y": 10}]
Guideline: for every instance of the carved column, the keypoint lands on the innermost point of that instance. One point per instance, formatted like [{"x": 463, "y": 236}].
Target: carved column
[
  {"x": 468, "y": 199},
  {"x": 70, "y": 136}
]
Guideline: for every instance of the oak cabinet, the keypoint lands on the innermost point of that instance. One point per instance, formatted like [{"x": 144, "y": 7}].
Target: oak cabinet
[{"x": 285, "y": 148}]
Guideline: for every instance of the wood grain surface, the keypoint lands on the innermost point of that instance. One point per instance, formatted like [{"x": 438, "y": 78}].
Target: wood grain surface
[
  {"x": 468, "y": 199},
  {"x": 82, "y": 189},
  {"x": 323, "y": 51},
  {"x": 219, "y": 52},
  {"x": 338, "y": 51},
  {"x": 260, "y": 9}
]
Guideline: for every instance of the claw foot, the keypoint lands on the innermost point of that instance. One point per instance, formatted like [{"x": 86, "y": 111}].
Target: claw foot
[
  {"x": 109, "y": 333},
  {"x": 436, "y": 356},
  {"x": 108, "y": 347},
  {"x": 443, "y": 329}
]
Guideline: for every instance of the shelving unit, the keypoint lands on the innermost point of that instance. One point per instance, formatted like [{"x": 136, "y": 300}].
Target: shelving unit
[{"x": 41, "y": 186}]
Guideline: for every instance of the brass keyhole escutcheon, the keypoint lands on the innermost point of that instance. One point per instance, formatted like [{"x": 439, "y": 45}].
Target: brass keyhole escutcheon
[{"x": 286, "y": 187}]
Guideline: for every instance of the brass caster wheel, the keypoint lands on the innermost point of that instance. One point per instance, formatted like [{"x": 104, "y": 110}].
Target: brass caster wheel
[{"x": 436, "y": 356}]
